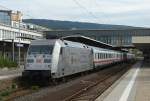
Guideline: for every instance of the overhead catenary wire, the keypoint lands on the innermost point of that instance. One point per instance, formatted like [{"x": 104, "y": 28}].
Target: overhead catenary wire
[
  {"x": 75, "y": 1},
  {"x": 100, "y": 7},
  {"x": 3, "y": 8},
  {"x": 84, "y": 8}
]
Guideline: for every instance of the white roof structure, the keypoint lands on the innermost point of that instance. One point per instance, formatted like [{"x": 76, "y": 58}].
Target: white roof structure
[{"x": 4, "y": 8}]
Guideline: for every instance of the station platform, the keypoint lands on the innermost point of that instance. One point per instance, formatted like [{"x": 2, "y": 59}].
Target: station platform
[{"x": 132, "y": 86}]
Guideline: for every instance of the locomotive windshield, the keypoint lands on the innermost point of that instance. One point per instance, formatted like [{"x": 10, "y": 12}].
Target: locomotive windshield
[{"x": 40, "y": 49}]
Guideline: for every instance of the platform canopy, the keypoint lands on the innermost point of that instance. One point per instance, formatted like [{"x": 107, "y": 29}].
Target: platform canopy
[
  {"x": 142, "y": 43},
  {"x": 87, "y": 41}
]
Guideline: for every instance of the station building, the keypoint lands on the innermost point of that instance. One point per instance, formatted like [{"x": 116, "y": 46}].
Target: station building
[
  {"x": 14, "y": 34},
  {"x": 116, "y": 37}
]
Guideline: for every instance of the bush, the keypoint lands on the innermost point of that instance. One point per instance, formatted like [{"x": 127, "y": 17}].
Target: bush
[
  {"x": 5, "y": 62},
  {"x": 1, "y": 98},
  {"x": 5, "y": 93},
  {"x": 35, "y": 88},
  {"x": 14, "y": 86}
]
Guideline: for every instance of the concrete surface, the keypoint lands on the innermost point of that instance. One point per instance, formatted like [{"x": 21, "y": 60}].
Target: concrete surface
[
  {"x": 10, "y": 73},
  {"x": 133, "y": 86}
]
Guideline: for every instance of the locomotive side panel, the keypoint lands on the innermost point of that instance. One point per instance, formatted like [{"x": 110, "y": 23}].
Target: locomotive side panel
[{"x": 74, "y": 60}]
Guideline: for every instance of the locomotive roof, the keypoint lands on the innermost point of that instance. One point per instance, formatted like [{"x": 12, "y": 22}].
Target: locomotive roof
[{"x": 88, "y": 41}]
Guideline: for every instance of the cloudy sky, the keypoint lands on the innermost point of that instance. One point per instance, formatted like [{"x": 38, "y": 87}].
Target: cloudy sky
[{"x": 124, "y": 12}]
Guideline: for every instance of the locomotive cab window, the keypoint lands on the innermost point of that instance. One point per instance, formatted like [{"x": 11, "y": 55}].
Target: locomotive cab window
[{"x": 40, "y": 49}]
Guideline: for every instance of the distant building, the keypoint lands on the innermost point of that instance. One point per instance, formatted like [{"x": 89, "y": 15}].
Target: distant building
[
  {"x": 5, "y": 17},
  {"x": 12, "y": 29}
]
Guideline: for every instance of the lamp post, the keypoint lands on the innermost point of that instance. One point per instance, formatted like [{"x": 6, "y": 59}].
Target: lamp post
[
  {"x": 19, "y": 47},
  {"x": 4, "y": 44},
  {"x": 13, "y": 50}
]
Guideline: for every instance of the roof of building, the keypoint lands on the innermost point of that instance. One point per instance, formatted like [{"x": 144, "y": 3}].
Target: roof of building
[
  {"x": 99, "y": 30},
  {"x": 87, "y": 41},
  {"x": 2, "y": 8}
]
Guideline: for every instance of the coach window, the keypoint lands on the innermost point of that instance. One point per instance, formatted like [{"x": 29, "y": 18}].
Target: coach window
[
  {"x": 103, "y": 56},
  {"x": 100, "y": 55},
  {"x": 96, "y": 56}
]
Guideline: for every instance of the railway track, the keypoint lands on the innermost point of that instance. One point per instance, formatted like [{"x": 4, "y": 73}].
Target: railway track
[
  {"x": 87, "y": 87},
  {"x": 94, "y": 89}
]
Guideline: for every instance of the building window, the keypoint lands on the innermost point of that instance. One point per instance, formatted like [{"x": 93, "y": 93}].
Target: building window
[{"x": 5, "y": 17}]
